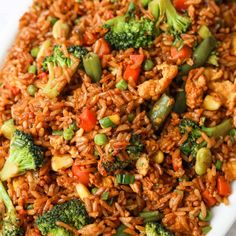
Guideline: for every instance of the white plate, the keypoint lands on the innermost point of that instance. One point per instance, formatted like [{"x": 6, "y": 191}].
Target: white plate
[{"x": 10, "y": 11}]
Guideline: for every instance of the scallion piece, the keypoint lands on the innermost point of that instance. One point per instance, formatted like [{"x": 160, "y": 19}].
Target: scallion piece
[
  {"x": 149, "y": 216},
  {"x": 106, "y": 122},
  {"x": 207, "y": 218},
  {"x": 57, "y": 132},
  {"x": 105, "y": 196},
  {"x": 122, "y": 85},
  {"x": 125, "y": 179},
  {"x": 218, "y": 164}
]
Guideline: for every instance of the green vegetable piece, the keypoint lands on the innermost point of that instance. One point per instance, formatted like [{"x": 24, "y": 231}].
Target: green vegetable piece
[
  {"x": 135, "y": 147},
  {"x": 218, "y": 164},
  {"x": 207, "y": 218},
  {"x": 24, "y": 155},
  {"x": 213, "y": 60},
  {"x": 148, "y": 65},
  {"x": 232, "y": 134},
  {"x": 10, "y": 222},
  {"x": 203, "y": 161},
  {"x": 204, "y": 32},
  {"x": 180, "y": 102},
  {"x": 125, "y": 179},
  {"x": 156, "y": 229},
  {"x": 106, "y": 123},
  {"x": 220, "y": 130},
  {"x": 31, "y": 90},
  {"x": 57, "y": 132},
  {"x": 200, "y": 55},
  {"x": 206, "y": 229},
  {"x": 105, "y": 196},
  {"x": 154, "y": 8},
  {"x": 145, "y": 3},
  {"x": 52, "y": 20},
  {"x": 92, "y": 66},
  {"x": 68, "y": 134},
  {"x": 100, "y": 139},
  {"x": 122, "y": 85},
  {"x": 32, "y": 69},
  {"x": 8, "y": 128},
  {"x": 150, "y": 216},
  {"x": 119, "y": 231},
  {"x": 161, "y": 110},
  {"x": 72, "y": 213},
  {"x": 115, "y": 163},
  {"x": 78, "y": 51},
  {"x": 131, "y": 117},
  {"x": 94, "y": 190},
  {"x": 34, "y": 52}
]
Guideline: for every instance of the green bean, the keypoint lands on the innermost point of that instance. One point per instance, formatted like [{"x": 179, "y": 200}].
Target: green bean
[
  {"x": 180, "y": 102},
  {"x": 204, "y": 32},
  {"x": 161, "y": 110},
  {"x": 119, "y": 231},
  {"x": 203, "y": 161},
  {"x": 220, "y": 130},
  {"x": 149, "y": 216},
  {"x": 148, "y": 65},
  {"x": 200, "y": 55},
  {"x": 92, "y": 66}
]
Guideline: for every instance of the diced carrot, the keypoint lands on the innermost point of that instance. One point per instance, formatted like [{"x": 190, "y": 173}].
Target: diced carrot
[
  {"x": 88, "y": 120},
  {"x": 42, "y": 75},
  {"x": 132, "y": 71},
  {"x": 223, "y": 187},
  {"x": 137, "y": 59},
  {"x": 183, "y": 53},
  {"x": 101, "y": 47},
  {"x": 180, "y": 5},
  {"x": 89, "y": 38},
  {"x": 208, "y": 198},
  {"x": 15, "y": 91},
  {"x": 82, "y": 175}
]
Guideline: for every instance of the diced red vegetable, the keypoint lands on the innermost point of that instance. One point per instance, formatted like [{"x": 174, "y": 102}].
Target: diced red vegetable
[
  {"x": 223, "y": 187},
  {"x": 132, "y": 71},
  {"x": 89, "y": 38},
  {"x": 183, "y": 53},
  {"x": 82, "y": 175},
  {"x": 88, "y": 120},
  {"x": 42, "y": 75},
  {"x": 180, "y": 5},
  {"x": 208, "y": 198},
  {"x": 101, "y": 47}
]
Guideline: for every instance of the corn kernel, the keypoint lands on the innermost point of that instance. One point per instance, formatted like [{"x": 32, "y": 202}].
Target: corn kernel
[
  {"x": 159, "y": 157},
  {"x": 82, "y": 191},
  {"x": 211, "y": 103},
  {"x": 115, "y": 119}
]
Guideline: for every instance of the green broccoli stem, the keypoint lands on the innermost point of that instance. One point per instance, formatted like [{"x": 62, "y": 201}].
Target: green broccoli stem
[
  {"x": 220, "y": 130},
  {"x": 6, "y": 199},
  {"x": 9, "y": 170},
  {"x": 92, "y": 66}
]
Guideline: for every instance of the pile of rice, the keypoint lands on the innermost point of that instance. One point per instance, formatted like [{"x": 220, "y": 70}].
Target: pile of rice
[{"x": 158, "y": 189}]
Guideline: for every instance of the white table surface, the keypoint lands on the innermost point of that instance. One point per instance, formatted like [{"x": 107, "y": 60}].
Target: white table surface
[{"x": 9, "y": 8}]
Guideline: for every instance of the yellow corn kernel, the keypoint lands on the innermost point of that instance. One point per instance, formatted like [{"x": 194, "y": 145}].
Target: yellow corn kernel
[
  {"x": 60, "y": 30},
  {"x": 61, "y": 162},
  {"x": 159, "y": 157},
  {"x": 211, "y": 103},
  {"x": 43, "y": 49},
  {"x": 82, "y": 191},
  {"x": 115, "y": 119}
]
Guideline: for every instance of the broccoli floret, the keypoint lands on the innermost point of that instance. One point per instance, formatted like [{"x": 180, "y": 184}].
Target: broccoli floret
[
  {"x": 177, "y": 23},
  {"x": 156, "y": 229},
  {"x": 72, "y": 213},
  {"x": 114, "y": 164},
  {"x": 58, "y": 78},
  {"x": 78, "y": 51},
  {"x": 136, "y": 146},
  {"x": 10, "y": 224},
  {"x": 128, "y": 32},
  {"x": 190, "y": 146},
  {"x": 24, "y": 155}
]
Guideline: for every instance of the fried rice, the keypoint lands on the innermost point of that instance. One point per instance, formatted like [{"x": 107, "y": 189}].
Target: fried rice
[{"x": 167, "y": 180}]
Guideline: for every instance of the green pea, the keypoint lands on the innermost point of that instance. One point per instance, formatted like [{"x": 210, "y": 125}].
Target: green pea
[
  {"x": 100, "y": 139},
  {"x": 32, "y": 69},
  {"x": 31, "y": 90},
  {"x": 148, "y": 65},
  {"x": 203, "y": 161},
  {"x": 34, "y": 52}
]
